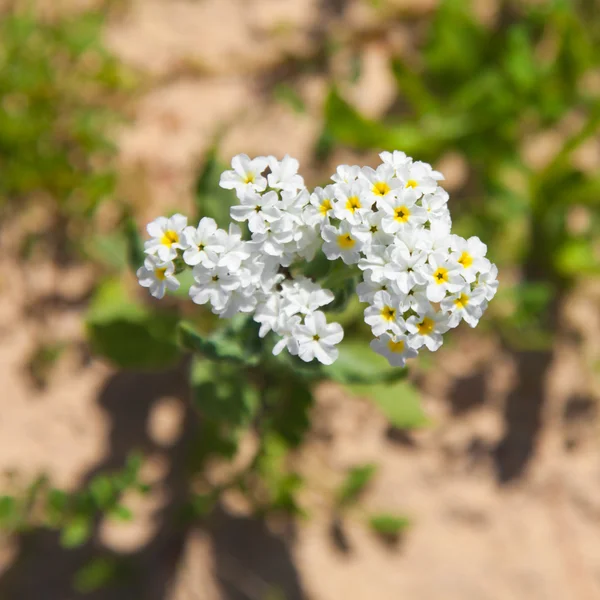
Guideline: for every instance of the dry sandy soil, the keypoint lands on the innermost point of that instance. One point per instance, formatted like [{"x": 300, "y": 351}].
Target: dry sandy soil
[{"x": 503, "y": 490}]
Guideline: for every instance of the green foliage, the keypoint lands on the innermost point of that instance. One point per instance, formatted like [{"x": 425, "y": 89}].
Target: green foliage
[
  {"x": 97, "y": 574},
  {"x": 399, "y": 402},
  {"x": 58, "y": 86},
  {"x": 129, "y": 334},
  {"x": 355, "y": 484},
  {"x": 388, "y": 525},
  {"x": 72, "y": 513}
]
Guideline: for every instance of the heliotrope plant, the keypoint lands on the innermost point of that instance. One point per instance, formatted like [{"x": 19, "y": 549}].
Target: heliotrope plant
[{"x": 390, "y": 225}]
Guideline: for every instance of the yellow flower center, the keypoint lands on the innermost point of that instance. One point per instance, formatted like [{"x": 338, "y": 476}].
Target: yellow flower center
[
  {"x": 441, "y": 275},
  {"x": 466, "y": 260},
  {"x": 345, "y": 241},
  {"x": 169, "y": 238},
  {"x": 401, "y": 214},
  {"x": 249, "y": 178},
  {"x": 396, "y": 346},
  {"x": 381, "y": 188},
  {"x": 461, "y": 301},
  {"x": 325, "y": 206},
  {"x": 411, "y": 183},
  {"x": 160, "y": 273},
  {"x": 426, "y": 326},
  {"x": 388, "y": 313},
  {"x": 353, "y": 203}
]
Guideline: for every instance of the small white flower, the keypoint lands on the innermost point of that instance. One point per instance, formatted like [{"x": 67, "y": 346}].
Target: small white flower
[
  {"x": 419, "y": 176},
  {"x": 394, "y": 347},
  {"x": 166, "y": 236},
  {"x": 268, "y": 313},
  {"x": 384, "y": 315},
  {"x": 340, "y": 242},
  {"x": 259, "y": 210},
  {"x": 158, "y": 276},
  {"x": 213, "y": 285},
  {"x": 201, "y": 243},
  {"x": 351, "y": 202},
  {"x": 466, "y": 305},
  {"x": 284, "y": 174},
  {"x": 246, "y": 175},
  {"x": 367, "y": 288},
  {"x": 396, "y": 159},
  {"x": 370, "y": 232},
  {"x": 320, "y": 208},
  {"x": 381, "y": 183},
  {"x": 235, "y": 250},
  {"x": 488, "y": 282},
  {"x": 402, "y": 212},
  {"x": 346, "y": 174},
  {"x": 375, "y": 262},
  {"x": 442, "y": 275},
  {"x": 426, "y": 329},
  {"x": 406, "y": 269},
  {"x": 470, "y": 255},
  {"x": 317, "y": 338},
  {"x": 286, "y": 328},
  {"x": 306, "y": 296},
  {"x": 436, "y": 204}
]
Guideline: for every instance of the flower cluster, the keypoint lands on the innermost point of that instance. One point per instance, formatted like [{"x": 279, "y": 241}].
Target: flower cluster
[{"x": 392, "y": 222}]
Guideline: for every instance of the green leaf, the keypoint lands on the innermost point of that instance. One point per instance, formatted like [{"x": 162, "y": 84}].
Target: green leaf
[
  {"x": 233, "y": 343},
  {"x": 96, "y": 574},
  {"x": 121, "y": 513},
  {"x": 355, "y": 483},
  {"x": 577, "y": 257},
  {"x": 286, "y": 94},
  {"x": 399, "y": 402},
  {"x": 388, "y": 525},
  {"x": 135, "y": 245},
  {"x": 102, "y": 491},
  {"x": 8, "y": 510},
  {"x": 76, "y": 533},
  {"x": 222, "y": 393},
  {"x": 290, "y": 401},
  {"x": 128, "y": 334},
  {"x": 358, "y": 364}
]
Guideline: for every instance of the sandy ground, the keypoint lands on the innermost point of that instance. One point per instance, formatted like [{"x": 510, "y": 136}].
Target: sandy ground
[{"x": 503, "y": 490}]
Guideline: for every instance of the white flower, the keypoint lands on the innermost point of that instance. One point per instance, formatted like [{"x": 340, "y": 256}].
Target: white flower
[
  {"x": 259, "y": 210},
  {"x": 436, "y": 205},
  {"x": 321, "y": 206},
  {"x": 238, "y": 301},
  {"x": 402, "y": 212},
  {"x": 418, "y": 176},
  {"x": 442, "y": 275},
  {"x": 406, "y": 269},
  {"x": 305, "y": 296},
  {"x": 375, "y": 262},
  {"x": 166, "y": 236},
  {"x": 157, "y": 276},
  {"x": 346, "y": 174},
  {"x": 370, "y": 232},
  {"x": 394, "y": 347},
  {"x": 213, "y": 285},
  {"x": 384, "y": 315},
  {"x": 466, "y": 305},
  {"x": 267, "y": 314},
  {"x": 286, "y": 328},
  {"x": 235, "y": 250},
  {"x": 488, "y": 282},
  {"x": 396, "y": 159},
  {"x": 381, "y": 183},
  {"x": 340, "y": 242},
  {"x": 415, "y": 300},
  {"x": 367, "y": 288},
  {"x": 317, "y": 339},
  {"x": 426, "y": 329},
  {"x": 470, "y": 255},
  {"x": 351, "y": 203},
  {"x": 284, "y": 174},
  {"x": 246, "y": 175},
  {"x": 201, "y": 243}
]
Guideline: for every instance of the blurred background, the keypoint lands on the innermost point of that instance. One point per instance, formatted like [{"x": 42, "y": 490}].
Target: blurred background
[{"x": 476, "y": 478}]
